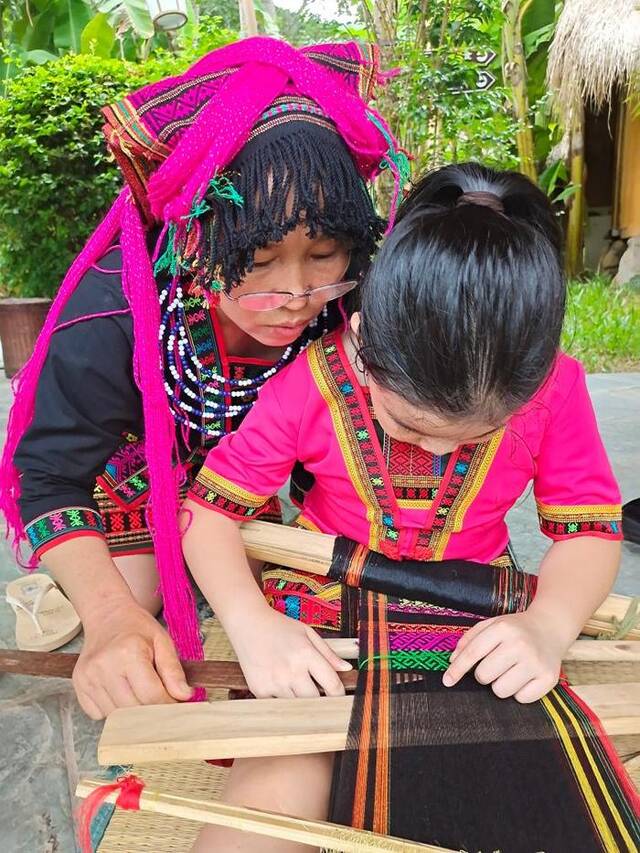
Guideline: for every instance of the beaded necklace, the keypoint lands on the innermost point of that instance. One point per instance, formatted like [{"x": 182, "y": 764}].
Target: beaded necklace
[{"x": 206, "y": 391}]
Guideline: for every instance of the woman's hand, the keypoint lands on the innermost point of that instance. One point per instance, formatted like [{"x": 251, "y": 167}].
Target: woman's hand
[
  {"x": 284, "y": 658},
  {"x": 127, "y": 659},
  {"x": 518, "y": 655}
]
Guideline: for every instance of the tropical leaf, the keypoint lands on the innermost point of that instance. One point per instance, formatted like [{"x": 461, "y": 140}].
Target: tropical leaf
[
  {"x": 72, "y": 16},
  {"x": 38, "y": 36},
  {"x": 98, "y": 37},
  {"x": 127, "y": 15},
  {"x": 39, "y": 57}
]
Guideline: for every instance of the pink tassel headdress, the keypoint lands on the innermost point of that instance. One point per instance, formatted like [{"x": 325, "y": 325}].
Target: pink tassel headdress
[{"x": 170, "y": 139}]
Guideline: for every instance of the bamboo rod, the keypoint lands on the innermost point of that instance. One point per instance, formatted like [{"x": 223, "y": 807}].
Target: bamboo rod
[
  {"x": 309, "y": 551},
  {"x": 315, "y": 833},
  {"x": 248, "y": 728},
  {"x": 213, "y": 674}
]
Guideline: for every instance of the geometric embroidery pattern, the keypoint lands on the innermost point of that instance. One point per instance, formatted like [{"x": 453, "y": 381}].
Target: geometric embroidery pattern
[
  {"x": 572, "y": 520},
  {"x": 59, "y": 524}
]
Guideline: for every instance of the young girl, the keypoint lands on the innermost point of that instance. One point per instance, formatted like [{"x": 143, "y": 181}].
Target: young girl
[
  {"x": 422, "y": 423},
  {"x": 245, "y": 218}
]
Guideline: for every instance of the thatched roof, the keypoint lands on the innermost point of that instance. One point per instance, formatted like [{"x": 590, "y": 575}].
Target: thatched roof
[{"x": 596, "y": 47}]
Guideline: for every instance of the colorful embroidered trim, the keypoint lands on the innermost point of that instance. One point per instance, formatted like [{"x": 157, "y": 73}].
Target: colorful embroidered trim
[
  {"x": 125, "y": 527},
  {"x": 49, "y": 529},
  {"x": 559, "y": 520},
  {"x": 125, "y": 478},
  {"x": 216, "y": 491},
  {"x": 356, "y": 442},
  {"x": 312, "y": 599}
]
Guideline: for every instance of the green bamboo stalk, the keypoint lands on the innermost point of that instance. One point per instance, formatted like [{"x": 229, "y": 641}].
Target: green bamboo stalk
[
  {"x": 576, "y": 203},
  {"x": 514, "y": 69}
]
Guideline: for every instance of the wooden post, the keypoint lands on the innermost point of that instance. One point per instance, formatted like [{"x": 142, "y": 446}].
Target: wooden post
[
  {"x": 248, "y": 20},
  {"x": 574, "y": 261},
  {"x": 514, "y": 70}
]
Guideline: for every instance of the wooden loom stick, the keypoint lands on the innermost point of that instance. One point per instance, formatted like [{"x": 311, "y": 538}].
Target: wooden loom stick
[
  {"x": 311, "y": 832},
  {"x": 249, "y": 728},
  {"x": 213, "y": 674},
  {"x": 310, "y": 551},
  {"x": 210, "y": 674}
]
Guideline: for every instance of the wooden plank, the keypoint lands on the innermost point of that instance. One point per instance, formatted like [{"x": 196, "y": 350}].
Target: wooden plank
[
  {"x": 249, "y": 728},
  {"x": 312, "y": 832},
  {"x": 225, "y": 729},
  {"x": 603, "y": 651},
  {"x": 614, "y": 607}
]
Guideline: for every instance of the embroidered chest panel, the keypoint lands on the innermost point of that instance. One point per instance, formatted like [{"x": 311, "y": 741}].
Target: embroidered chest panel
[{"x": 387, "y": 474}]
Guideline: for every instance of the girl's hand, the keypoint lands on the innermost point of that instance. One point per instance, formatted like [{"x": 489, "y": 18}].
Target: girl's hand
[
  {"x": 127, "y": 659},
  {"x": 284, "y": 658},
  {"x": 518, "y": 654}
]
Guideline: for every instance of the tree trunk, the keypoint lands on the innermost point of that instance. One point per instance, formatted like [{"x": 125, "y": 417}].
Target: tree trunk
[{"x": 514, "y": 69}]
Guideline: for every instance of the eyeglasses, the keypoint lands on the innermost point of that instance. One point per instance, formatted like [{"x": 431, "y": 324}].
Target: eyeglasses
[{"x": 269, "y": 300}]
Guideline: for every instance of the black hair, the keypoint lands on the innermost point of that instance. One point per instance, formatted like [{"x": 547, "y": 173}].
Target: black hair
[
  {"x": 297, "y": 172},
  {"x": 462, "y": 309}
]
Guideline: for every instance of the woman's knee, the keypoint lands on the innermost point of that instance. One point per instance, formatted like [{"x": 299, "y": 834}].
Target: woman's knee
[{"x": 297, "y": 785}]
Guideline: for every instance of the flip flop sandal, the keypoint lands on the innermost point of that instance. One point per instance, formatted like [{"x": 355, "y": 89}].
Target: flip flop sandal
[{"x": 45, "y": 619}]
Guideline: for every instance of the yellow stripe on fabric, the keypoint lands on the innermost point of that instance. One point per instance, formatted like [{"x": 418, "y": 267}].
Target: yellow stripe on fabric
[
  {"x": 473, "y": 480},
  {"x": 228, "y": 489},
  {"x": 342, "y": 426},
  {"x": 565, "y": 737},
  {"x": 328, "y": 591},
  {"x": 303, "y": 521},
  {"x": 587, "y": 512}
]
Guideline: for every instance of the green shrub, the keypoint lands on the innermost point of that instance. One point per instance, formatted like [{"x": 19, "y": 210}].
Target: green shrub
[
  {"x": 602, "y": 325},
  {"x": 56, "y": 177}
]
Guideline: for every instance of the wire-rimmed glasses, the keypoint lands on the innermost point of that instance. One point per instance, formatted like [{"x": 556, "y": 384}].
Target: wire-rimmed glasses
[{"x": 270, "y": 300}]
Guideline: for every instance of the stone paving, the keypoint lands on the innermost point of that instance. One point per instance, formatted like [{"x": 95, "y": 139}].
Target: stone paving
[{"x": 46, "y": 740}]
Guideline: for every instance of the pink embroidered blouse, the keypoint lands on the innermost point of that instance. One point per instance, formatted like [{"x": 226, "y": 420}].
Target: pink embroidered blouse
[{"x": 399, "y": 499}]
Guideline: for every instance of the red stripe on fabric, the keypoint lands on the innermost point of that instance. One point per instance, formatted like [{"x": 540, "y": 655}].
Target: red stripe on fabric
[{"x": 71, "y": 535}]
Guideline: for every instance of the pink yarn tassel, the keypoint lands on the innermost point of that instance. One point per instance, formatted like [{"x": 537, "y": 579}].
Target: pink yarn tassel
[
  {"x": 25, "y": 383},
  {"x": 140, "y": 289}
]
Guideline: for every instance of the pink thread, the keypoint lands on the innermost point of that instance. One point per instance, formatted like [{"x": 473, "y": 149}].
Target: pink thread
[
  {"x": 84, "y": 317},
  {"x": 130, "y": 789},
  {"x": 185, "y": 513},
  {"x": 106, "y": 271}
]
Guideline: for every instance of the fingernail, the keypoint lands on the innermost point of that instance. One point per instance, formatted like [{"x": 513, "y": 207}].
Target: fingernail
[
  {"x": 186, "y": 688},
  {"x": 346, "y": 666},
  {"x": 447, "y": 680}
]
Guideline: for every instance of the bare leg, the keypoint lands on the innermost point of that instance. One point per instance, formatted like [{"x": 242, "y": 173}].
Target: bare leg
[
  {"x": 297, "y": 785},
  {"x": 141, "y": 575}
]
